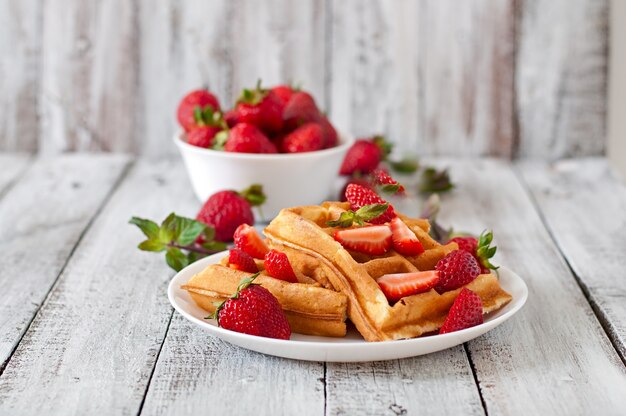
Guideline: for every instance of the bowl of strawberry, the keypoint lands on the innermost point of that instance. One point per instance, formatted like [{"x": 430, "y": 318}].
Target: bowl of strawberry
[{"x": 276, "y": 137}]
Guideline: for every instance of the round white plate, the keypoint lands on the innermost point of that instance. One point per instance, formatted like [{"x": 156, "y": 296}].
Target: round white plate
[{"x": 351, "y": 348}]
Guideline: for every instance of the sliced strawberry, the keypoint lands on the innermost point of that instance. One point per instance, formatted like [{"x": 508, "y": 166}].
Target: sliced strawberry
[
  {"x": 277, "y": 265},
  {"x": 466, "y": 312},
  {"x": 398, "y": 285},
  {"x": 374, "y": 240},
  {"x": 405, "y": 241},
  {"x": 240, "y": 260},
  {"x": 248, "y": 239}
]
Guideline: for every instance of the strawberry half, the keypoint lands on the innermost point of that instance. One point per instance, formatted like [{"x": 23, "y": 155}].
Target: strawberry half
[
  {"x": 374, "y": 240},
  {"x": 277, "y": 265},
  {"x": 248, "y": 240},
  {"x": 398, "y": 285},
  {"x": 466, "y": 312},
  {"x": 405, "y": 241},
  {"x": 240, "y": 260}
]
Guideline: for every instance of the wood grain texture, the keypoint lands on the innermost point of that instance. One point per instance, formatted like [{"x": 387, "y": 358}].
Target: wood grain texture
[
  {"x": 89, "y": 76},
  {"x": 225, "y": 45},
  {"x": 12, "y": 168},
  {"x": 561, "y": 67},
  {"x": 20, "y": 62},
  {"x": 439, "y": 383},
  {"x": 553, "y": 357},
  {"x": 93, "y": 345},
  {"x": 436, "y": 77},
  {"x": 41, "y": 220},
  {"x": 584, "y": 207},
  {"x": 197, "y": 371}
]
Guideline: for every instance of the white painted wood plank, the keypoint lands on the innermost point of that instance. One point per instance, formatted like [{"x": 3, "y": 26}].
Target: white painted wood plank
[
  {"x": 436, "y": 384},
  {"x": 197, "y": 372},
  {"x": 20, "y": 62},
  {"x": 12, "y": 167},
  {"x": 584, "y": 207},
  {"x": 616, "y": 146},
  {"x": 225, "y": 45},
  {"x": 93, "y": 345},
  {"x": 553, "y": 357},
  {"x": 561, "y": 77},
  {"x": 42, "y": 218},
  {"x": 89, "y": 85},
  {"x": 376, "y": 69},
  {"x": 468, "y": 77}
]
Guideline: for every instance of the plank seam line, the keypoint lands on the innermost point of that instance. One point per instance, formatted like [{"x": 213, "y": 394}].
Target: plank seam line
[
  {"x": 476, "y": 380},
  {"x": 604, "y": 324},
  {"x": 325, "y": 389},
  {"x": 22, "y": 172},
  {"x": 54, "y": 284},
  {"x": 156, "y": 362}
]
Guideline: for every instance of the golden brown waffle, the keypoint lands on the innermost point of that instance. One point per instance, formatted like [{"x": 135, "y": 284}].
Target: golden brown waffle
[
  {"x": 304, "y": 230},
  {"x": 310, "y": 308}
]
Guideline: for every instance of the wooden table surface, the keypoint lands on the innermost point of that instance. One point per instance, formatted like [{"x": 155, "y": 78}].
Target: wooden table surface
[{"x": 86, "y": 327}]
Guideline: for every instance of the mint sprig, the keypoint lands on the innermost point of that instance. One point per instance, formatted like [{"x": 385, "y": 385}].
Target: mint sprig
[
  {"x": 179, "y": 238},
  {"x": 364, "y": 214}
]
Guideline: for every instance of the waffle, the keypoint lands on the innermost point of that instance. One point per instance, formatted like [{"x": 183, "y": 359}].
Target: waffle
[
  {"x": 304, "y": 230},
  {"x": 310, "y": 308}
]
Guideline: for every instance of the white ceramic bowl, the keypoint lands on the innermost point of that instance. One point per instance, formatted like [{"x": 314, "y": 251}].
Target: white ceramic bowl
[{"x": 288, "y": 179}]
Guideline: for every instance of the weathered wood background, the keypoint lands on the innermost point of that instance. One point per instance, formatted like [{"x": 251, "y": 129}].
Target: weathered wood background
[{"x": 485, "y": 77}]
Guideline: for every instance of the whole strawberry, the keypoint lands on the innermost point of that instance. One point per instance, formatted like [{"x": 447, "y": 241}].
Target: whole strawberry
[
  {"x": 364, "y": 156},
  {"x": 331, "y": 138},
  {"x": 253, "y": 310},
  {"x": 300, "y": 109},
  {"x": 283, "y": 93},
  {"x": 359, "y": 196},
  {"x": 247, "y": 138},
  {"x": 358, "y": 181},
  {"x": 261, "y": 108},
  {"x": 195, "y": 108},
  {"x": 227, "y": 210},
  {"x": 479, "y": 248},
  {"x": 456, "y": 269},
  {"x": 466, "y": 312},
  {"x": 306, "y": 138},
  {"x": 202, "y": 136}
]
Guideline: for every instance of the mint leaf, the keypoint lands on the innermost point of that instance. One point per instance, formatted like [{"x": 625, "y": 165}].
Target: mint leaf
[
  {"x": 345, "y": 220},
  {"x": 369, "y": 212},
  {"x": 220, "y": 139},
  {"x": 176, "y": 259},
  {"x": 167, "y": 232},
  {"x": 214, "y": 246},
  {"x": 152, "y": 245},
  {"x": 149, "y": 228},
  {"x": 254, "y": 195},
  {"x": 406, "y": 165},
  {"x": 188, "y": 230}
]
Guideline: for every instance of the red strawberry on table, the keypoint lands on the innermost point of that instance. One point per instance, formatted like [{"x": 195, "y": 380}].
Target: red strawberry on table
[
  {"x": 277, "y": 265},
  {"x": 300, "y": 109},
  {"x": 364, "y": 156},
  {"x": 456, "y": 269},
  {"x": 374, "y": 239},
  {"x": 202, "y": 136},
  {"x": 466, "y": 312},
  {"x": 248, "y": 240},
  {"x": 306, "y": 138},
  {"x": 240, "y": 260},
  {"x": 195, "y": 108},
  {"x": 227, "y": 210},
  {"x": 404, "y": 240},
  {"x": 261, "y": 108},
  {"x": 253, "y": 310},
  {"x": 359, "y": 196},
  {"x": 331, "y": 138},
  {"x": 398, "y": 285},
  {"x": 247, "y": 138}
]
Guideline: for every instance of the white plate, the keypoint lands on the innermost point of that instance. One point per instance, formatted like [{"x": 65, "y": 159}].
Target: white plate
[{"x": 352, "y": 348}]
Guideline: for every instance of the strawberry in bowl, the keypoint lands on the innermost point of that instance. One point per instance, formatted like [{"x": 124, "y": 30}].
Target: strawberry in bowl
[{"x": 276, "y": 137}]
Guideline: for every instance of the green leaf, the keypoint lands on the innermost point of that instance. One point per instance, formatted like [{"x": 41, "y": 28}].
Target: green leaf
[
  {"x": 176, "y": 259},
  {"x": 433, "y": 180},
  {"x": 254, "y": 195},
  {"x": 167, "y": 232},
  {"x": 220, "y": 139},
  {"x": 214, "y": 246},
  {"x": 384, "y": 145},
  {"x": 189, "y": 230},
  {"x": 390, "y": 188},
  {"x": 209, "y": 233},
  {"x": 406, "y": 165},
  {"x": 152, "y": 245},
  {"x": 345, "y": 220},
  {"x": 148, "y": 227},
  {"x": 197, "y": 116},
  {"x": 193, "y": 256},
  {"x": 369, "y": 212}
]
